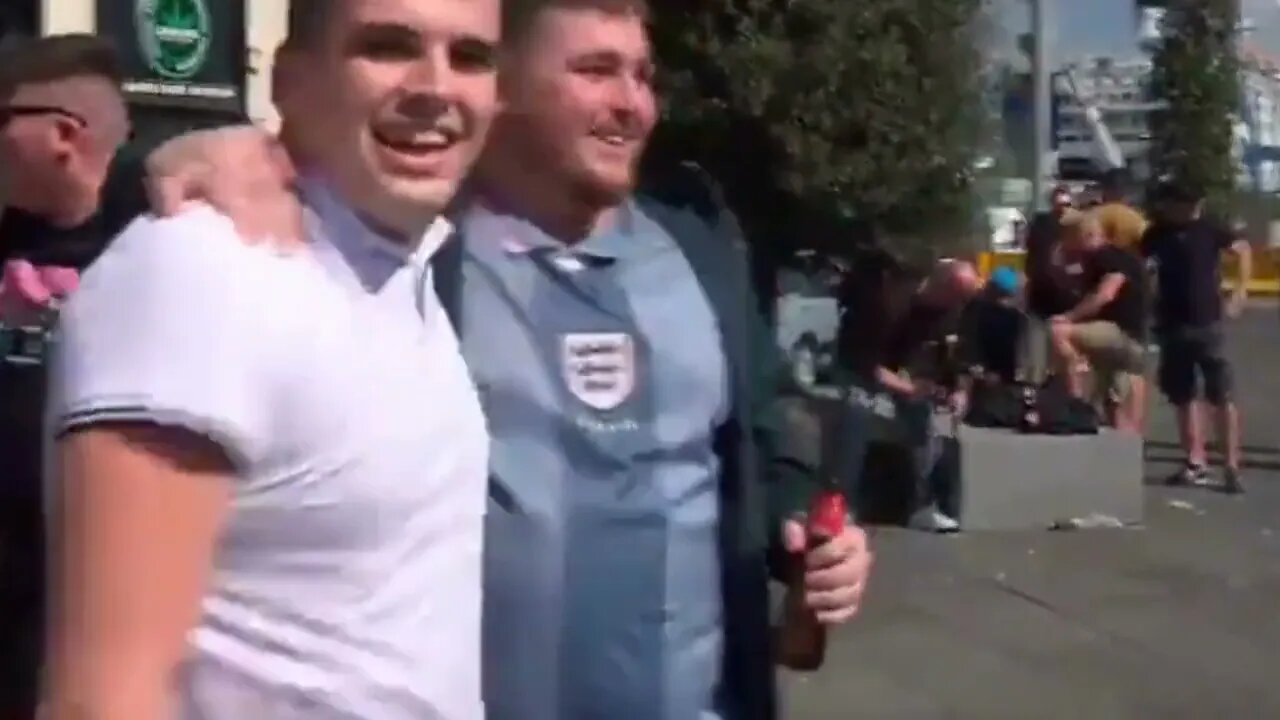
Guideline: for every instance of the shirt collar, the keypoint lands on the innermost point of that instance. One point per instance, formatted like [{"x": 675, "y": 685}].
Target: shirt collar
[
  {"x": 516, "y": 235},
  {"x": 347, "y": 230}
]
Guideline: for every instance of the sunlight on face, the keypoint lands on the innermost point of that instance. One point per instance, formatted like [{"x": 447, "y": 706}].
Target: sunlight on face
[
  {"x": 580, "y": 97},
  {"x": 397, "y": 101}
]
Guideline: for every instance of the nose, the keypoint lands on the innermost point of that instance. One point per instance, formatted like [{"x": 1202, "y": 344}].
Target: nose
[
  {"x": 431, "y": 77},
  {"x": 627, "y": 94}
]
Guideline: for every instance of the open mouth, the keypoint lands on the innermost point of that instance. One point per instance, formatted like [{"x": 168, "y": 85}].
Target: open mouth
[
  {"x": 615, "y": 139},
  {"x": 415, "y": 143}
]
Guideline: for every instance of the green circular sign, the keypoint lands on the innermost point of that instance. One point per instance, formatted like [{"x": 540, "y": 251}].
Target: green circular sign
[{"x": 174, "y": 36}]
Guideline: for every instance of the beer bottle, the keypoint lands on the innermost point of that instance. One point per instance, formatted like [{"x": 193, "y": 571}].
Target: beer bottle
[{"x": 803, "y": 641}]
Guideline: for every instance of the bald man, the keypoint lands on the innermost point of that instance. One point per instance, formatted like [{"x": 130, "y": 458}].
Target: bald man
[
  {"x": 62, "y": 119},
  {"x": 903, "y": 360}
]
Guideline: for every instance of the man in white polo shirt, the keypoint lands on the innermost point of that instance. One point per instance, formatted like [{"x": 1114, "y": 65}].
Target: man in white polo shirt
[{"x": 270, "y": 468}]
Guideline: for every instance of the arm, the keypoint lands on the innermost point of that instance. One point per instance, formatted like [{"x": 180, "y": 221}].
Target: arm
[
  {"x": 895, "y": 383},
  {"x": 137, "y": 513},
  {"x": 242, "y": 171},
  {"x": 153, "y": 408},
  {"x": 1093, "y": 303}
]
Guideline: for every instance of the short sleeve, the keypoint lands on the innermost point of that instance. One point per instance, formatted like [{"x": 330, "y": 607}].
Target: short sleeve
[{"x": 166, "y": 328}]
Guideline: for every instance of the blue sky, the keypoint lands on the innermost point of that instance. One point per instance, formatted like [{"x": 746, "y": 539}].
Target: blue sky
[{"x": 1108, "y": 27}]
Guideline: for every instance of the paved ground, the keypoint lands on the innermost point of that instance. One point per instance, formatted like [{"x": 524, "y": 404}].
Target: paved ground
[{"x": 1180, "y": 619}]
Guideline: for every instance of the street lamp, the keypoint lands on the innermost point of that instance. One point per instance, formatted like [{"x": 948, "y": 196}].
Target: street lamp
[{"x": 1042, "y": 108}]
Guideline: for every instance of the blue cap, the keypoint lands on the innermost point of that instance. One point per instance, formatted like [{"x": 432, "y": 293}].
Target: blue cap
[{"x": 1005, "y": 280}]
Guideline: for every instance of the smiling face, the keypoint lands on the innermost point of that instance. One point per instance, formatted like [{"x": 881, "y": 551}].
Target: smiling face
[
  {"x": 579, "y": 98},
  {"x": 392, "y": 101}
]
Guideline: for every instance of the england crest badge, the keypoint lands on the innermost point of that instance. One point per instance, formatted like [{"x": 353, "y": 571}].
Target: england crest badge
[{"x": 599, "y": 368}]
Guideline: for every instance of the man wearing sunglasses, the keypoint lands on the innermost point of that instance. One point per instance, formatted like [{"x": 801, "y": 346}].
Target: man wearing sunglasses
[{"x": 62, "y": 120}]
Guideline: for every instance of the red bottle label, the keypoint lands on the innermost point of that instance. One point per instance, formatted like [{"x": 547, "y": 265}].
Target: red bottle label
[{"x": 827, "y": 515}]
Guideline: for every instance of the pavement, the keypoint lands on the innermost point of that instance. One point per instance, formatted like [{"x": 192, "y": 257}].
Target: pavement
[{"x": 1177, "y": 619}]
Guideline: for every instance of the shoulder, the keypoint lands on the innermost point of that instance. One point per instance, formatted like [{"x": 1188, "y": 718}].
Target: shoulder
[
  {"x": 694, "y": 230},
  {"x": 1121, "y": 260},
  {"x": 189, "y": 268}
]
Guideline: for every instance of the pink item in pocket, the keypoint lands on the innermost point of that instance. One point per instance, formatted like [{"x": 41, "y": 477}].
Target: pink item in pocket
[
  {"x": 23, "y": 284},
  {"x": 59, "y": 281},
  {"x": 28, "y": 291}
]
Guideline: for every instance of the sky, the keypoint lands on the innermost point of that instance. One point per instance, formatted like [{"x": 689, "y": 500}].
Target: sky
[{"x": 1088, "y": 27}]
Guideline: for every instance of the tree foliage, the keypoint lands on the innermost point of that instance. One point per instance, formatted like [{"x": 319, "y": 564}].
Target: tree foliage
[
  {"x": 821, "y": 115},
  {"x": 1196, "y": 72}
]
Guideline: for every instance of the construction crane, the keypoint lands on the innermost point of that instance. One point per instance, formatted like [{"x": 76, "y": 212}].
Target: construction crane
[{"x": 1106, "y": 152}]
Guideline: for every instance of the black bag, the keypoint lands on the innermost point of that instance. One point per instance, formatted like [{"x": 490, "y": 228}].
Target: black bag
[{"x": 999, "y": 405}]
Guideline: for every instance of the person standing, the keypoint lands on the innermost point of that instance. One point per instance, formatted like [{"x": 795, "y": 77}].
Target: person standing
[
  {"x": 268, "y": 489},
  {"x": 1052, "y": 283},
  {"x": 62, "y": 119},
  {"x": 640, "y": 493},
  {"x": 1187, "y": 246}
]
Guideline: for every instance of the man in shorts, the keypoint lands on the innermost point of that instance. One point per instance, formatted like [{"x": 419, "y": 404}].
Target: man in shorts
[
  {"x": 1105, "y": 331},
  {"x": 1187, "y": 247}
]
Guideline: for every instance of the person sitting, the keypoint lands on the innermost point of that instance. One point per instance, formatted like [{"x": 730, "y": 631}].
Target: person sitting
[
  {"x": 1106, "y": 329},
  {"x": 895, "y": 357}
]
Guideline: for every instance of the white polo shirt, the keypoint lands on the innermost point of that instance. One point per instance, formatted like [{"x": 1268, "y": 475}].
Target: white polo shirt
[{"x": 346, "y": 582}]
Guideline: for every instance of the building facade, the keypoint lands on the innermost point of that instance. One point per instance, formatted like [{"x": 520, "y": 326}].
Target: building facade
[
  {"x": 1120, "y": 90},
  {"x": 188, "y": 63}
]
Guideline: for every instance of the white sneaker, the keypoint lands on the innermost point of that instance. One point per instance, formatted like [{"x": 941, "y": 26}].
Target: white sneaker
[{"x": 931, "y": 519}]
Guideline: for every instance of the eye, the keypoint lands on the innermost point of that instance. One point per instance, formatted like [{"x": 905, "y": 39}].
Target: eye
[
  {"x": 598, "y": 66},
  {"x": 385, "y": 42},
  {"x": 473, "y": 55}
]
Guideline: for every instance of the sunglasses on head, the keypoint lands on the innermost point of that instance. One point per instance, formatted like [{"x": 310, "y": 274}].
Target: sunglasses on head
[{"x": 12, "y": 111}]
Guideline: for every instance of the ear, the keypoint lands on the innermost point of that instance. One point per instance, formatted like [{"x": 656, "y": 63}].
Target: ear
[{"x": 68, "y": 136}]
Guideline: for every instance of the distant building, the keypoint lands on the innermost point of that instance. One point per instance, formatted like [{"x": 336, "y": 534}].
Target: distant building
[
  {"x": 1121, "y": 90},
  {"x": 1258, "y": 129}
]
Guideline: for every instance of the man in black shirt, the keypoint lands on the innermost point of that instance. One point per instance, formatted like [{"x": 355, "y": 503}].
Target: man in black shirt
[
  {"x": 894, "y": 337},
  {"x": 1187, "y": 248},
  {"x": 1107, "y": 328},
  {"x": 1051, "y": 287},
  {"x": 62, "y": 119}
]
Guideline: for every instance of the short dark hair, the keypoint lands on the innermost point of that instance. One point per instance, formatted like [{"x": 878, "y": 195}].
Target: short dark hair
[
  {"x": 57, "y": 57},
  {"x": 518, "y": 15},
  {"x": 308, "y": 20}
]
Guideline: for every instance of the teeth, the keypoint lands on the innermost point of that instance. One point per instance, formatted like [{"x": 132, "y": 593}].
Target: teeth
[{"x": 422, "y": 142}]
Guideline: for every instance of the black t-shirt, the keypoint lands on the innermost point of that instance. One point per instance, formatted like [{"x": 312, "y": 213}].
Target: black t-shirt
[
  {"x": 1189, "y": 267},
  {"x": 1051, "y": 290},
  {"x": 922, "y": 327},
  {"x": 1128, "y": 308},
  {"x": 22, "y": 386}
]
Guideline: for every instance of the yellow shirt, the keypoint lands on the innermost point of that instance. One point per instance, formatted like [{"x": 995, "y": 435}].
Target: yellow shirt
[{"x": 1122, "y": 225}]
